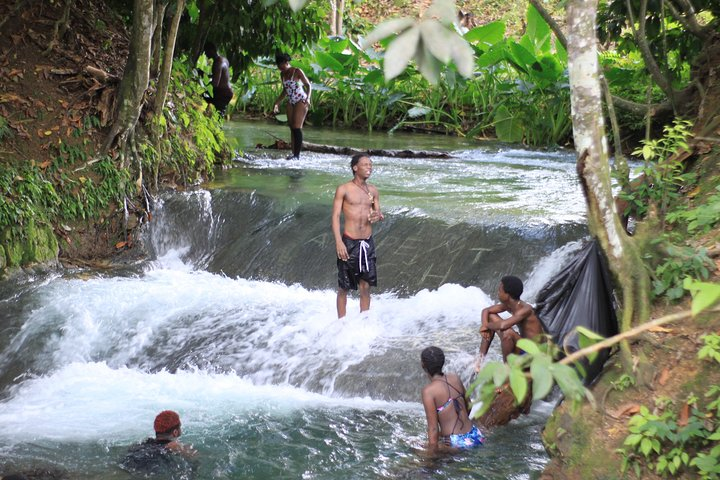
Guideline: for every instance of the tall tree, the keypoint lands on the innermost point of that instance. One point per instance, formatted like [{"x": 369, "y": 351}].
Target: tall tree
[
  {"x": 135, "y": 77},
  {"x": 593, "y": 166},
  {"x": 169, "y": 52}
]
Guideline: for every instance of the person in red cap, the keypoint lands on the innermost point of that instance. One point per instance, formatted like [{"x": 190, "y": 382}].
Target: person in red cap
[{"x": 162, "y": 452}]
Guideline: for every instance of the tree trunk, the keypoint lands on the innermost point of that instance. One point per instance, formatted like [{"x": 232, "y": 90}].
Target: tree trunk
[
  {"x": 159, "y": 14},
  {"x": 164, "y": 80},
  {"x": 333, "y": 18},
  {"x": 207, "y": 13},
  {"x": 594, "y": 170},
  {"x": 340, "y": 8},
  {"x": 135, "y": 77}
]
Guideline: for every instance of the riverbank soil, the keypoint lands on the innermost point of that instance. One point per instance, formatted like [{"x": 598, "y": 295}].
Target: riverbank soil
[
  {"x": 585, "y": 442},
  {"x": 58, "y": 72}
]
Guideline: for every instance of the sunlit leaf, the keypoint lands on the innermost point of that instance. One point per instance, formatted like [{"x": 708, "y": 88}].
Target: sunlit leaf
[
  {"x": 442, "y": 11},
  {"x": 586, "y": 338},
  {"x": 542, "y": 378},
  {"x": 435, "y": 38},
  {"x": 428, "y": 65},
  {"x": 193, "y": 11},
  {"x": 328, "y": 61},
  {"x": 462, "y": 56},
  {"x": 418, "y": 111},
  {"x": 296, "y": 5},
  {"x": 385, "y": 29},
  {"x": 500, "y": 375},
  {"x": 399, "y": 53},
  {"x": 538, "y": 31},
  {"x": 528, "y": 345},
  {"x": 704, "y": 294},
  {"x": 518, "y": 384},
  {"x": 487, "y": 35}
]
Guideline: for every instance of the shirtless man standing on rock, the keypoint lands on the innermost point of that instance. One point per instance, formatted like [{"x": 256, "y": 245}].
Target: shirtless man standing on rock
[{"x": 359, "y": 204}]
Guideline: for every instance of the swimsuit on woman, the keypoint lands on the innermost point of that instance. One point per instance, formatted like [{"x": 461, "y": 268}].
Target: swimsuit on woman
[
  {"x": 294, "y": 90},
  {"x": 473, "y": 438}
]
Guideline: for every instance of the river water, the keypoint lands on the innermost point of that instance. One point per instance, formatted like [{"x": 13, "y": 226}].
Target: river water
[{"x": 231, "y": 319}]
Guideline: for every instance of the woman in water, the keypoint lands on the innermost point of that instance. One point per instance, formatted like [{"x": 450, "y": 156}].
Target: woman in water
[
  {"x": 445, "y": 406},
  {"x": 294, "y": 84}
]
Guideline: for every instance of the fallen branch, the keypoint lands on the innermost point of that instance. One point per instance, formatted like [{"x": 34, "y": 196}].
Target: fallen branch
[
  {"x": 633, "y": 332},
  {"x": 375, "y": 152}
]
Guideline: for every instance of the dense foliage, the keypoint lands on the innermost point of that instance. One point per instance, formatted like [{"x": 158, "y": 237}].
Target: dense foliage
[{"x": 518, "y": 90}]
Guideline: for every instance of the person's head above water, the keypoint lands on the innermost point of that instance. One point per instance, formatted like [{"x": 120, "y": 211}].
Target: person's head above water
[
  {"x": 210, "y": 50},
  {"x": 282, "y": 58},
  {"x": 433, "y": 360},
  {"x": 166, "y": 422},
  {"x": 513, "y": 286}
]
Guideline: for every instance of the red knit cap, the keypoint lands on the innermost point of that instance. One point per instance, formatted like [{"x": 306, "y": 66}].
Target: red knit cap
[{"x": 166, "y": 421}]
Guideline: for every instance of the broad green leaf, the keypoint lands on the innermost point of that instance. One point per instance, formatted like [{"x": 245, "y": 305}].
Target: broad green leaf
[
  {"x": 500, "y": 375},
  {"x": 328, "y": 61},
  {"x": 400, "y": 51},
  {"x": 336, "y": 44},
  {"x": 374, "y": 77},
  {"x": 528, "y": 345},
  {"x": 538, "y": 31},
  {"x": 561, "y": 53},
  {"x": 586, "y": 338},
  {"x": 496, "y": 54},
  {"x": 193, "y": 11},
  {"x": 633, "y": 439},
  {"x": 487, "y": 35},
  {"x": 567, "y": 380},
  {"x": 645, "y": 446},
  {"x": 524, "y": 59},
  {"x": 507, "y": 127},
  {"x": 385, "y": 29},
  {"x": 281, "y": 118},
  {"x": 462, "y": 56},
  {"x": 704, "y": 294},
  {"x": 541, "y": 377},
  {"x": 435, "y": 38},
  {"x": 518, "y": 384}
]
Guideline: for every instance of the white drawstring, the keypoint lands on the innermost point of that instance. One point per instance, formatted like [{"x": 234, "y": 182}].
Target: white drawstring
[{"x": 363, "y": 250}]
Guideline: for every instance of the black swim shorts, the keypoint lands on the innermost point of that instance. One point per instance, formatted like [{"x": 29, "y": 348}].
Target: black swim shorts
[{"x": 359, "y": 265}]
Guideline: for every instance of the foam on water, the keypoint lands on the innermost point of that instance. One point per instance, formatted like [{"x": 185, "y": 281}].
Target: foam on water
[{"x": 93, "y": 402}]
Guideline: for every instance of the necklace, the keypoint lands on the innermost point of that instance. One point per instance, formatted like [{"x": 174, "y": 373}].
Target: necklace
[{"x": 365, "y": 189}]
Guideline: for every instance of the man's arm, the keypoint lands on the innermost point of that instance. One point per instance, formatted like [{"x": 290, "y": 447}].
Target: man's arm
[
  {"x": 375, "y": 212},
  {"x": 524, "y": 312},
  {"x": 216, "y": 72},
  {"x": 335, "y": 222}
]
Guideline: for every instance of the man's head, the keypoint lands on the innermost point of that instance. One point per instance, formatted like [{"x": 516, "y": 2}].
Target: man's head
[
  {"x": 210, "y": 50},
  {"x": 432, "y": 359},
  {"x": 512, "y": 285},
  {"x": 360, "y": 160},
  {"x": 166, "y": 422}
]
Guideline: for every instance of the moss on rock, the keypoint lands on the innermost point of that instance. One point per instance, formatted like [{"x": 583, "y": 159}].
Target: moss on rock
[{"x": 39, "y": 245}]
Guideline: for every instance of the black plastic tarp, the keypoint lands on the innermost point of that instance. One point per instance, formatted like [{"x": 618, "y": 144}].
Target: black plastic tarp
[{"x": 580, "y": 295}]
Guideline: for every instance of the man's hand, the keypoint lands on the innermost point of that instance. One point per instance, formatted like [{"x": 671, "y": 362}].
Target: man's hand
[
  {"x": 342, "y": 252},
  {"x": 375, "y": 216}
]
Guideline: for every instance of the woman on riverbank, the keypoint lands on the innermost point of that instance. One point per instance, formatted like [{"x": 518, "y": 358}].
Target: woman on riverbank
[
  {"x": 446, "y": 409},
  {"x": 297, "y": 89}
]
